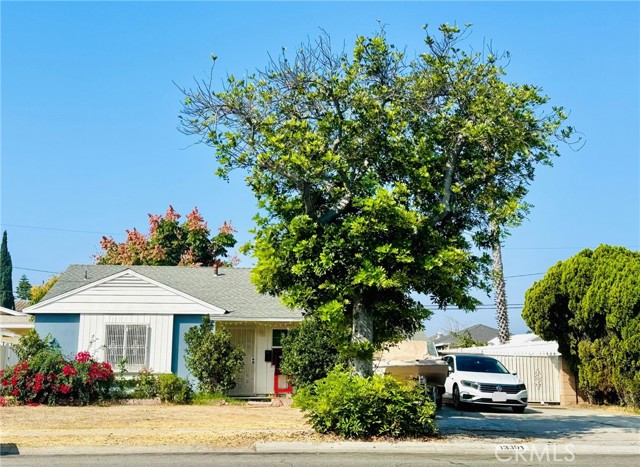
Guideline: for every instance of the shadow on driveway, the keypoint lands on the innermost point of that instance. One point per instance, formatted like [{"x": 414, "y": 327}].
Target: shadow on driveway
[{"x": 536, "y": 422}]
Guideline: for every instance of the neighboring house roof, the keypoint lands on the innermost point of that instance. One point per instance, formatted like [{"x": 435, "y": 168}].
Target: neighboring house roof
[
  {"x": 521, "y": 346},
  {"x": 9, "y": 312},
  {"x": 13, "y": 324},
  {"x": 517, "y": 339},
  {"x": 21, "y": 304},
  {"x": 479, "y": 332},
  {"x": 230, "y": 290}
]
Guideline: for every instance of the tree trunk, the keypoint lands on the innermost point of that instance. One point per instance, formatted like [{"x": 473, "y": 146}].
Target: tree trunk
[
  {"x": 499, "y": 287},
  {"x": 362, "y": 333}
]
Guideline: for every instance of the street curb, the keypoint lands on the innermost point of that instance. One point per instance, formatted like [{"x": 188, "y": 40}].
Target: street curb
[
  {"x": 444, "y": 448},
  {"x": 118, "y": 450},
  {"x": 288, "y": 447}
]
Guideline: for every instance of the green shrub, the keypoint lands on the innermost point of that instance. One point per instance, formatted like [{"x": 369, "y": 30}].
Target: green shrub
[
  {"x": 311, "y": 351},
  {"x": 31, "y": 344},
  {"x": 172, "y": 388},
  {"x": 145, "y": 385},
  {"x": 356, "y": 407},
  {"x": 211, "y": 358}
]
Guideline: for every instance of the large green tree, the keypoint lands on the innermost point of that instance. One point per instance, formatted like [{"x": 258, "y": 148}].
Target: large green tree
[
  {"x": 23, "y": 290},
  {"x": 377, "y": 175},
  {"x": 171, "y": 243},
  {"x": 590, "y": 305},
  {"x": 6, "y": 281}
]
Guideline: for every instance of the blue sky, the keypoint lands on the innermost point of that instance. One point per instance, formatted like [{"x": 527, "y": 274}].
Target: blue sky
[{"x": 90, "y": 145}]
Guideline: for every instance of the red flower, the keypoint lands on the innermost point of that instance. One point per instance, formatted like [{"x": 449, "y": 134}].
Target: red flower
[
  {"x": 3, "y": 402},
  {"x": 5, "y": 382},
  {"x": 65, "y": 389},
  {"x": 69, "y": 370},
  {"x": 83, "y": 357},
  {"x": 15, "y": 392}
]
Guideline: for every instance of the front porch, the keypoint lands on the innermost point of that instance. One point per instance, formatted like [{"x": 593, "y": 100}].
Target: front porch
[{"x": 262, "y": 343}]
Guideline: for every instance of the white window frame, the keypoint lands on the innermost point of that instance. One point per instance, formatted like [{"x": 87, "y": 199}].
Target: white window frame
[{"x": 130, "y": 367}]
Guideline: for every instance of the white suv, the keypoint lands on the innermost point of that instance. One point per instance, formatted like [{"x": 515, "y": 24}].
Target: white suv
[{"x": 482, "y": 380}]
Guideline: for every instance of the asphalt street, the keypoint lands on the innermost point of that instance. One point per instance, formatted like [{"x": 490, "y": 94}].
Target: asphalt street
[{"x": 309, "y": 459}]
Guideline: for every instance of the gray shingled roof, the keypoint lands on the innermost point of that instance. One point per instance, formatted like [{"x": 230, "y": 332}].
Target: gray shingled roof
[
  {"x": 230, "y": 290},
  {"x": 479, "y": 332}
]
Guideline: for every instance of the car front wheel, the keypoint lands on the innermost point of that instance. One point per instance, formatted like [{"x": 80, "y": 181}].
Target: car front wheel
[{"x": 456, "y": 397}]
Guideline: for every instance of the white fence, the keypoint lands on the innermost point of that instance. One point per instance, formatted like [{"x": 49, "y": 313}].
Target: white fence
[
  {"x": 7, "y": 356},
  {"x": 541, "y": 375}
]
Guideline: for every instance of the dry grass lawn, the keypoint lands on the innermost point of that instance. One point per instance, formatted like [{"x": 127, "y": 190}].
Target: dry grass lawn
[{"x": 224, "y": 426}]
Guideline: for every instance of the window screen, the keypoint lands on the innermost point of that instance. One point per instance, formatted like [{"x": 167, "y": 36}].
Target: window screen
[{"x": 127, "y": 341}]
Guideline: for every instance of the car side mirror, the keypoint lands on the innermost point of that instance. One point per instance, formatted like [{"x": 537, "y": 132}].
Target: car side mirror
[{"x": 514, "y": 373}]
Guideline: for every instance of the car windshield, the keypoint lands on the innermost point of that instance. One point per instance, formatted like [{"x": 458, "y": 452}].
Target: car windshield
[{"x": 479, "y": 364}]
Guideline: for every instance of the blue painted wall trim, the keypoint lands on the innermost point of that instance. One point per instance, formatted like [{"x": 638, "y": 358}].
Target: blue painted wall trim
[
  {"x": 64, "y": 328},
  {"x": 181, "y": 324}
]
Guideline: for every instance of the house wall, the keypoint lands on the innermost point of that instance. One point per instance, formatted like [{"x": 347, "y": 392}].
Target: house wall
[
  {"x": 569, "y": 392},
  {"x": 92, "y": 330},
  {"x": 181, "y": 324},
  {"x": 63, "y": 327}
]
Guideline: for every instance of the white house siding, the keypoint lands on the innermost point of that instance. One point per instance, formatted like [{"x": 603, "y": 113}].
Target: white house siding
[
  {"x": 126, "y": 294},
  {"x": 92, "y": 336}
]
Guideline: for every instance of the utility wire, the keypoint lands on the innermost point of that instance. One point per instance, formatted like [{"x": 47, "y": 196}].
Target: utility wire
[
  {"x": 525, "y": 275},
  {"x": 61, "y": 230},
  {"x": 36, "y": 270}
]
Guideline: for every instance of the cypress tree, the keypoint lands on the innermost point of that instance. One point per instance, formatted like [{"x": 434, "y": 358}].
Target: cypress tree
[{"x": 6, "y": 269}]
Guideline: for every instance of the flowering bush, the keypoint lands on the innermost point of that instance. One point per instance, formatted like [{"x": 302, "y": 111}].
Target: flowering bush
[{"x": 47, "y": 378}]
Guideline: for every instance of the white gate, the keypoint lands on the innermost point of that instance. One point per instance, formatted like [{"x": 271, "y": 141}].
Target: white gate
[
  {"x": 541, "y": 375},
  {"x": 245, "y": 381}
]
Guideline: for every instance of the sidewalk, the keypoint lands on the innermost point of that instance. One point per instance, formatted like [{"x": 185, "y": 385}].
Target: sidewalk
[{"x": 431, "y": 447}]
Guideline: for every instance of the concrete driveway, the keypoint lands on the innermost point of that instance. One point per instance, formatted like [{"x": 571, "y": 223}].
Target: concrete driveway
[{"x": 542, "y": 424}]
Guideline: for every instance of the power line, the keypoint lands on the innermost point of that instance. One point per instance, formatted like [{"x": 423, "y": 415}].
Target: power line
[
  {"x": 36, "y": 270},
  {"x": 525, "y": 275},
  {"x": 60, "y": 230}
]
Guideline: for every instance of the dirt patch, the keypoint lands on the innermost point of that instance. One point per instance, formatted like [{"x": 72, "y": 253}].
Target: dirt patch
[{"x": 220, "y": 426}]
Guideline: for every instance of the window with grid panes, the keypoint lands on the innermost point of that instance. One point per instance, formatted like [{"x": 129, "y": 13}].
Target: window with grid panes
[{"x": 128, "y": 341}]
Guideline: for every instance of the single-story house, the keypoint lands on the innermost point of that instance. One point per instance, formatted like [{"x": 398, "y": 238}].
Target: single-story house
[
  {"x": 478, "y": 332},
  {"x": 13, "y": 324},
  {"x": 141, "y": 313},
  {"x": 418, "y": 347}
]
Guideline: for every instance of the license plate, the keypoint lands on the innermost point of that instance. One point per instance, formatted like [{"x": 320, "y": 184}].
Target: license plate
[{"x": 499, "y": 397}]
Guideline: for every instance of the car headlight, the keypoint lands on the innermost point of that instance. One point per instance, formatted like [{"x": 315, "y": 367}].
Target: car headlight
[
  {"x": 521, "y": 387},
  {"x": 470, "y": 384}
]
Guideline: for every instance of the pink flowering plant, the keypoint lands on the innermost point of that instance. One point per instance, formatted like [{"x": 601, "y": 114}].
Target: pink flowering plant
[{"x": 47, "y": 377}]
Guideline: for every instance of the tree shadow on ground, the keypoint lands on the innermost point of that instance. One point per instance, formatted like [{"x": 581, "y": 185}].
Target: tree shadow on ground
[{"x": 534, "y": 423}]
